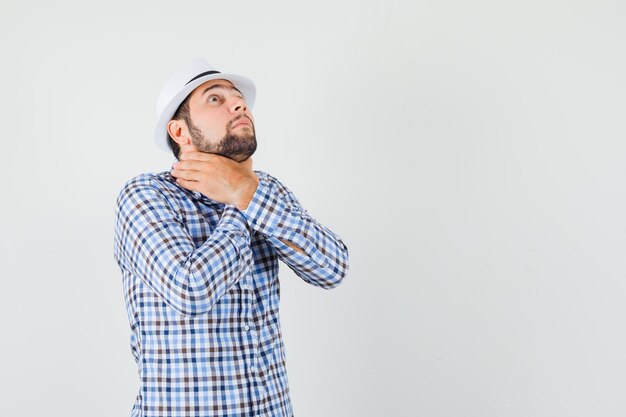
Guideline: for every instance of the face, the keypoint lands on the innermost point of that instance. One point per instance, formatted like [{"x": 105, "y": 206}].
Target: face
[{"x": 221, "y": 122}]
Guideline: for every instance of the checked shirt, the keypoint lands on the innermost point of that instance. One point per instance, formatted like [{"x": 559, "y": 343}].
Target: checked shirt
[{"x": 201, "y": 289}]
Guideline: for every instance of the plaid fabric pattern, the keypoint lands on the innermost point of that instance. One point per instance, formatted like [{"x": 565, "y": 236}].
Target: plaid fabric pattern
[{"x": 201, "y": 289}]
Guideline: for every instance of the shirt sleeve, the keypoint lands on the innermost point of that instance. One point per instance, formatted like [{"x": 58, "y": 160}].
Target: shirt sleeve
[
  {"x": 153, "y": 242},
  {"x": 275, "y": 212}
]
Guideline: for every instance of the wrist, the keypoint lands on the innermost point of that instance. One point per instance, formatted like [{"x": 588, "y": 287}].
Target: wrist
[{"x": 247, "y": 194}]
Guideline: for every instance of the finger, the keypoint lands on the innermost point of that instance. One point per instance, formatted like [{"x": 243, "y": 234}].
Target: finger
[
  {"x": 190, "y": 185},
  {"x": 185, "y": 174},
  {"x": 196, "y": 156},
  {"x": 192, "y": 165}
]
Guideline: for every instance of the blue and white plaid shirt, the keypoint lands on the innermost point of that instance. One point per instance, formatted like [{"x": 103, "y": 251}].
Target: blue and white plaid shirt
[{"x": 201, "y": 288}]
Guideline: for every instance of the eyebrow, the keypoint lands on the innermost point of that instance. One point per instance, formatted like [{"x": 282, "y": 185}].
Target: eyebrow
[{"x": 224, "y": 86}]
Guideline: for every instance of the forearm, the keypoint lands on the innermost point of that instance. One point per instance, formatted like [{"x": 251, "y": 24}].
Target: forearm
[
  {"x": 291, "y": 245},
  {"x": 158, "y": 249},
  {"x": 323, "y": 258},
  {"x": 311, "y": 250},
  {"x": 197, "y": 278}
]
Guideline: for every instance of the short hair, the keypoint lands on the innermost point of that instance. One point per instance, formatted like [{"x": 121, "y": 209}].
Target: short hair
[{"x": 182, "y": 113}]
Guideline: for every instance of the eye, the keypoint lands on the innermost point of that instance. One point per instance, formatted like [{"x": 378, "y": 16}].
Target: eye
[{"x": 211, "y": 97}]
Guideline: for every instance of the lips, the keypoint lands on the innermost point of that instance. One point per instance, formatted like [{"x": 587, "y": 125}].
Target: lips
[{"x": 242, "y": 122}]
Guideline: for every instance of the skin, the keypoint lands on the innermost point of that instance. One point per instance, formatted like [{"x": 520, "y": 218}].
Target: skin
[
  {"x": 216, "y": 150},
  {"x": 214, "y": 114}
]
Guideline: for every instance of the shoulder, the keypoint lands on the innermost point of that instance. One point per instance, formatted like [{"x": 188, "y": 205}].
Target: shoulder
[
  {"x": 146, "y": 182},
  {"x": 161, "y": 182},
  {"x": 148, "y": 190}
]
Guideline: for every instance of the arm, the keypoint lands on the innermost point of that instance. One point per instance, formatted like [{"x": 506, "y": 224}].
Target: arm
[
  {"x": 311, "y": 250},
  {"x": 151, "y": 240},
  {"x": 292, "y": 245}
]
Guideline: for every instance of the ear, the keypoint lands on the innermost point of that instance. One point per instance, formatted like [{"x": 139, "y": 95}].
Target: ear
[{"x": 178, "y": 131}]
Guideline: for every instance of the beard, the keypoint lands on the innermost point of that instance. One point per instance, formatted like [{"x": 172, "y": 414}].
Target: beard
[{"x": 236, "y": 146}]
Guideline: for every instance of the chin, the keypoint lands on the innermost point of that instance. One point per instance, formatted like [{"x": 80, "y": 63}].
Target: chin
[{"x": 241, "y": 158}]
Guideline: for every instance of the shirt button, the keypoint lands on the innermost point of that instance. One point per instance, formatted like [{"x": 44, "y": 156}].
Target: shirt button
[{"x": 247, "y": 327}]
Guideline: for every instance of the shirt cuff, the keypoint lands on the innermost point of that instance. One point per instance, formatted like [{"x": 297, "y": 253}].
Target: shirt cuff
[
  {"x": 234, "y": 222},
  {"x": 266, "y": 209}
]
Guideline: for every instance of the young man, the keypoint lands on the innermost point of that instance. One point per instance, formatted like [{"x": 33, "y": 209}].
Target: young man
[{"x": 198, "y": 247}]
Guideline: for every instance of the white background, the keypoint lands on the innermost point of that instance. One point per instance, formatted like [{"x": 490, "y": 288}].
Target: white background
[{"x": 470, "y": 154}]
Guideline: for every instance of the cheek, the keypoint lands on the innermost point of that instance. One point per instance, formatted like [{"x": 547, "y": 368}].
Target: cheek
[{"x": 213, "y": 129}]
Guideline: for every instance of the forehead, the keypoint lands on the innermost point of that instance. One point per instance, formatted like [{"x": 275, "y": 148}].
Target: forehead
[{"x": 219, "y": 82}]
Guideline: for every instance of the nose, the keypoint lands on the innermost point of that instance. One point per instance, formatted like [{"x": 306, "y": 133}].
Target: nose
[{"x": 238, "y": 104}]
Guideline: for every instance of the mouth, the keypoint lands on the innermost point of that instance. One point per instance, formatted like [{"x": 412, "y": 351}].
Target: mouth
[{"x": 243, "y": 122}]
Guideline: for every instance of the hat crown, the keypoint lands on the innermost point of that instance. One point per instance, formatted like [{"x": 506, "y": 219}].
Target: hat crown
[{"x": 179, "y": 79}]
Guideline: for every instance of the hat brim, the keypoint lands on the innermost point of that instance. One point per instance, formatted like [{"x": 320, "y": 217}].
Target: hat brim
[{"x": 243, "y": 84}]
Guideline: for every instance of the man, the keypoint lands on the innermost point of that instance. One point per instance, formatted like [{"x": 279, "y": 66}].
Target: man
[{"x": 198, "y": 248}]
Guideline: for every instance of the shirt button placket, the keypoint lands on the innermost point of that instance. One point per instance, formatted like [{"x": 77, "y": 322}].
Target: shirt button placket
[{"x": 249, "y": 336}]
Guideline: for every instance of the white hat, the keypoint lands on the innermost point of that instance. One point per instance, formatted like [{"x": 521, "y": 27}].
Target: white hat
[{"x": 182, "y": 83}]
